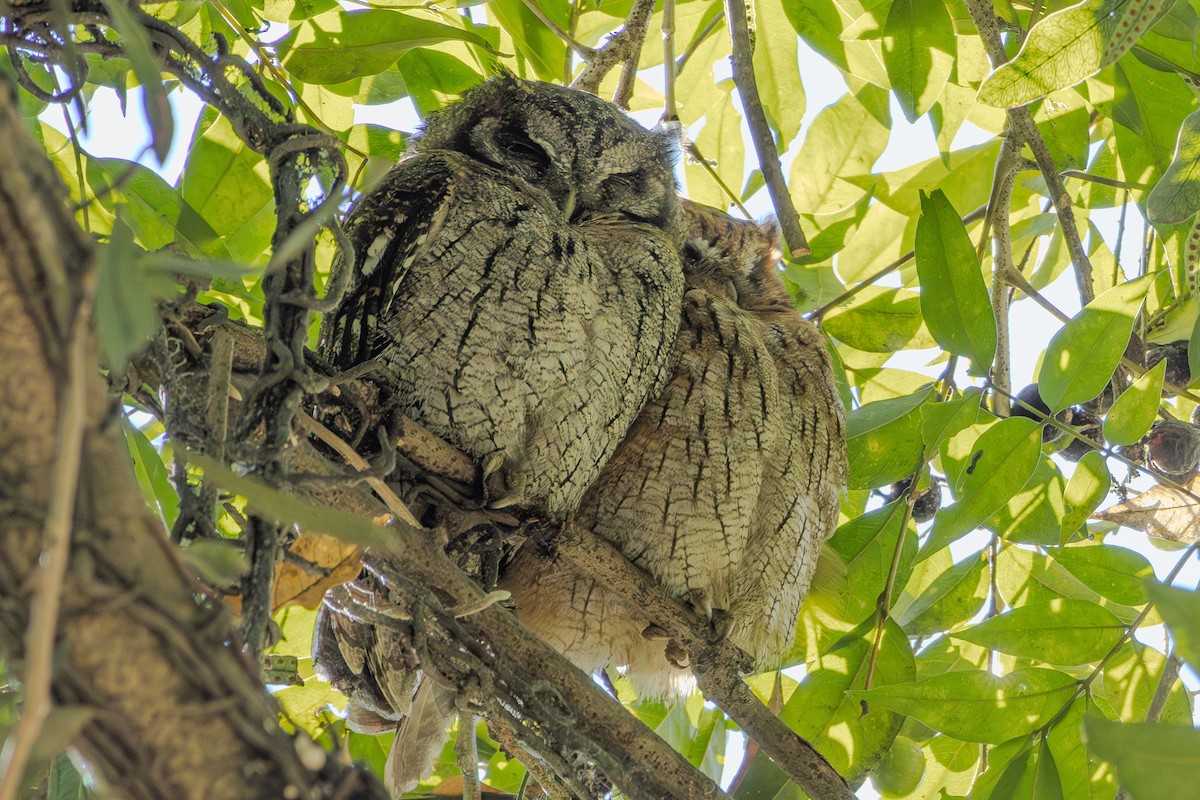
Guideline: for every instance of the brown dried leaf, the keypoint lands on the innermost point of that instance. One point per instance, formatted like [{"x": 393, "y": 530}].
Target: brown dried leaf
[
  {"x": 294, "y": 586},
  {"x": 1163, "y": 511}
]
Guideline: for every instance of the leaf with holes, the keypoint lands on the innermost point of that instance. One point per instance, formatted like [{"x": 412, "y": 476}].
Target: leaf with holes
[
  {"x": 1176, "y": 196},
  {"x": 1068, "y": 46}
]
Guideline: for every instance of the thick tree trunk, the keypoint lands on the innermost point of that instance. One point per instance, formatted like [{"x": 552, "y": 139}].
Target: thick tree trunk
[{"x": 176, "y": 711}]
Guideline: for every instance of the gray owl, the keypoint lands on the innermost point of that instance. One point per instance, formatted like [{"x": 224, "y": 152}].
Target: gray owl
[
  {"x": 515, "y": 287},
  {"x": 517, "y": 282},
  {"x": 728, "y": 481}
]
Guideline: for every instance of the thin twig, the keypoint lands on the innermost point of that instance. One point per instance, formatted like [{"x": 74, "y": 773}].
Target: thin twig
[
  {"x": 1021, "y": 122},
  {"x": 670, "y": 111},
  {"x": 1007, "y": 165},
  {"x": 1020, "y": 282},
  {"x": 698, "y": 40},
  {"x": 760, "y": 132},
  {"x": 883, "y": 605},
  {"x": 43, "y": 614}
]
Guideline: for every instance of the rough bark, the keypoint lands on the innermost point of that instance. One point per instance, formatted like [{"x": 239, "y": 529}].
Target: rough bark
[{"x": 177, "y": 711}]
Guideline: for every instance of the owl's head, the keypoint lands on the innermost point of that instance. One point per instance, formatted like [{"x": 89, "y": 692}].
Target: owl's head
[
  {"x": 583, "y": 151},
  {"x": 736, "y": 258}
]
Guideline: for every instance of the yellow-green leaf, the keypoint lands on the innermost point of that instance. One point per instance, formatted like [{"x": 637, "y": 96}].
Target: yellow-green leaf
[
  {"x": 918, "y": 52},
  {"x": 977, "y": 706},
  {"x": 1152, "y": 760},
  {"x": 954, "y": 299},
  {"x": 1136, "y": 409},
  {"x": 339, "y": 45},
  {"x": 1058, "y": 631},
  {"x": 1083, "y": 354},
  {"x": 1069, "y": 45},
  {"x": 1085, "y": 492},
  {"x": 1176, "y": 197}
]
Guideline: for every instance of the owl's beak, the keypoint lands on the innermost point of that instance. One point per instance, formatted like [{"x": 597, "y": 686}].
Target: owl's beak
[{"x": 568, "y": 204}]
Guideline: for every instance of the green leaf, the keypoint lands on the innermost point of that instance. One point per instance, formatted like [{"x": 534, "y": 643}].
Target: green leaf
[
  {"x": 1033, "y": 515},
  {"x": 1085, "y": 492},
  {"x": 543, "y": 50},
  {"x": 940, "y": 421},
  {"x": 1176, "y": 196},
  {"x": 126, "y": 314},
  {"x": 1031, "y": 775},
  {"x": 1083, "y": 354},
  {"x": 918, "y": 52},
  {"x": 1135, "y": 410},
  {"x": 65, "y": 782},
  {"x": 954, "y": 299},
  {"x": 1069, "y": 45},
  {"x": 844, "y": 140},
  {"x": 1001, "y": 463},
  {"x": 822, "y": 711},
  {"x": 977, "y": 706},
  {"x": 339, "y": 45},
  {"x": 954, "y": 597},
  {"x": 136, "y": 45},
  {"x": 880, "y": 321},
  {"x": 775, "y": 53},
  {"x": 228, "y": 184},
  {"x": 151, "y": 474},
  {"x": 867, "y": 545},
  {"x": 1060, "y": 631},
  {"x": 1181, "y": 610},
  {"x": 1152, "y": 760},
  {"x": 1111, "y": 571},
  {"x": 154, "y": 210},
  {"x": 883, "y": 440}
]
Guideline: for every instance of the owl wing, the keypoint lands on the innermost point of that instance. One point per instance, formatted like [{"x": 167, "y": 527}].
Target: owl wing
[
  {"x": 388, "y": 228},
  {"x": 797, "y": 510}
]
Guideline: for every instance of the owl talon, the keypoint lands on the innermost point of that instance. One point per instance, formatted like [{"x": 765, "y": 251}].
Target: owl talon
[
  {"x": 677, "y": 655},
  {"x": 654, "y": 633},
  {"x": 514, "y": 491},
  {"x": 700, "y": 601},
  {"x": 719, "y": 625}
]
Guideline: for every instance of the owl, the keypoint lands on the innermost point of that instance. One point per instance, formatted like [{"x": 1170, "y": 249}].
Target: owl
[
  {"x": 727, "y": 483},
  {"x": 515, "y": 287},
  {"x": 517, "y": 281}
]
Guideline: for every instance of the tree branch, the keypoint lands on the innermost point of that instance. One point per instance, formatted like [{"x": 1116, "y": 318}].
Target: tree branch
[
  {"x": 623, "y": 47},
  {"x": 760, "y": 132},
  {"x": 178, "y": 712},
  {"x": 1021, "y": 123}
]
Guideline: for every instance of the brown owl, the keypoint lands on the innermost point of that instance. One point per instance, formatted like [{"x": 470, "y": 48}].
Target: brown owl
[
  {"x": 515, "y": 286},
  {"x": 727, "y": 483}
]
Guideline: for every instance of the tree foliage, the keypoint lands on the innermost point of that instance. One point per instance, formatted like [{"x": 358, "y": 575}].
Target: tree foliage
[{"x": 971, "y": 633}]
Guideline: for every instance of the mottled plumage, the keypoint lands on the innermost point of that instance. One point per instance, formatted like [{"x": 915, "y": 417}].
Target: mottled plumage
[
  {"x": 515, "y": 287},
  {"x": 728, "y": 481}
]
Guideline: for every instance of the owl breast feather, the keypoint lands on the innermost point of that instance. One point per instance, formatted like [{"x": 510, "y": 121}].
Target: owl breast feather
[{"x": 503, "y": 327}]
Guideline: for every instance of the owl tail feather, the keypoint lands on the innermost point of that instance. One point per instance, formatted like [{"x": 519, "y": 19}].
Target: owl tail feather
[{"x": 419, "y": 738}]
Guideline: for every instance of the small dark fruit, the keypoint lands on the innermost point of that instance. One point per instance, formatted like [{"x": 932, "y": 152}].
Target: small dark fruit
[
  {"x": 1101, "y": 403},
  {"x": 1173, "y": 448},
  {"x": 1036, "y": 409},
  {"x": 927, "y": 503},
  {"x": 1088, "y": 426},
  {"x": 1176, "y": 356}
]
